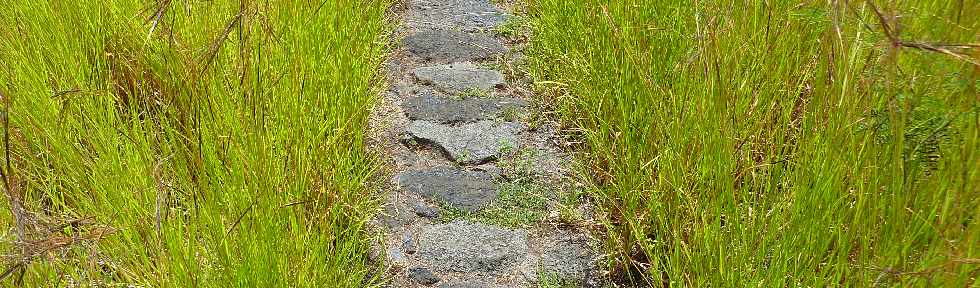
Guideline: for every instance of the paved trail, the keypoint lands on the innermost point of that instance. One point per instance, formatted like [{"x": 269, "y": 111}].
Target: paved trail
[{"x": 448, "y": 122}]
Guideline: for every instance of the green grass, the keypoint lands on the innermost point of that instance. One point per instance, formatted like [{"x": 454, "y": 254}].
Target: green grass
[
  {"x": 523, "y": 200},
  {"x": 772, "y": 143},
  {"x": 473, "y": 93},
  {"x": 189, "y": 143},
  {"x": 518, "y": 205},
  {"x": 515, "y": 27},
  {"x": 553, "y": 281}
]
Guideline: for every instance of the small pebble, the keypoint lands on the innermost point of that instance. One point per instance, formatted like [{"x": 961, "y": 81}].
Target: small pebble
[
  {"x": 423, "y": 276},
  {"x": 408, "y": 243},
  {"x": 396, "y": 257},
  {"x": 425, "y": 211}
]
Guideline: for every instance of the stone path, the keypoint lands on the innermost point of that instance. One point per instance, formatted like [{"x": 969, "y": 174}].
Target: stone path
[{"x": 448, "y": 123}]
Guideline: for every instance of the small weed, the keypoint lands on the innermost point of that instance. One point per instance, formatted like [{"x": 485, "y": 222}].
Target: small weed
[
  {"x": 473, "y": 93},
  {"x": 411, "y": 141},
  {"x": 497, "y": 65},
  {"x": 506, "y": 147},
  {"x": 518, "y": 165},
  {"x": 450, "y": 212},
  {"x": 511, "y": 114},
  {"x": 467, "y": 156},
  {"x": 551, "y": 280},
  {"x": 518, "y": 205},
  {"x": 516, "y": 27},
  {"x": 569, "y": 201},
  {"x": 535, "y": 118}
]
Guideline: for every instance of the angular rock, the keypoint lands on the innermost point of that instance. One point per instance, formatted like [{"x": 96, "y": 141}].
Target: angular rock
[
  {"x": 408, "y": 243},
  {"x": 422, "y": 276},
  {"x": 425, "y": 211},
  {"x": 466, "y": 15},
  {"x": 469, "y": 144},
  {"x": 396, "y": 256},
  {"x": 460, "y": 77},
  {"x": 447, "y": 46},
  {"x": 445, "y": 110},
  {"x": 467, "y": 190},
  {"x": 460, "y": 246}
]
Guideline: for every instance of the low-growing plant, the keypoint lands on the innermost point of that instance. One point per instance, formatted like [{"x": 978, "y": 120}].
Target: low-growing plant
[
  {"x": 515, "y": 27},
  {"x": 473, "y": 93}
]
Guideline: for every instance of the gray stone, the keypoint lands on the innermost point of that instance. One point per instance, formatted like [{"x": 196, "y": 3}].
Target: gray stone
[
  {"x": 447, "y": 46},
  {"x": 460, "y": 77},
  {"x": 568, "y": 257},
  {"x": 490, "y": 168},
  {"x": 445, "y": 110},
  {"x": 408, "y": 243},
  {"x": 464, "y": 247},
  {"x": 470, "y": 143},
  {"x": 395, "y": 256},
  {"x": 425, "y": 211},
  {"x": 395, "y": 215},
  {"x": 467, "y": 15},
  {"x": 422, "y": 276},
  {"x": 467, "y": 190}
]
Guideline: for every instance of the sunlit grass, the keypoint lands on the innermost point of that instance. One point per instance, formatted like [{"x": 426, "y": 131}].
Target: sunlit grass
[
  {"x": 188, "y": 143},
  {"x": 772, "y": 143}
]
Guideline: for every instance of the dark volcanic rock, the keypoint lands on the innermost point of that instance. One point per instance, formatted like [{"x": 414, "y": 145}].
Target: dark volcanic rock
[
  {"x": 446, "y": 46},
  {"x": 422, "y": 275},
  {"x": 470, "y": 143},
  {"x": 467, "y": 190},
  {"x": 425, "y": 211},
  {"x": 466, "y": 247},
  {"x": 460, "y": 77},
  {"x": 467, "y": 15},
  {"x": 445, "y": 110}
]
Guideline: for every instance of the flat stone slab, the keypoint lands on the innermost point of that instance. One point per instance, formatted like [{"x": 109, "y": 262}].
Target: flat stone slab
[
  {"x": 447, "y": 46},
  {"x": 568, "y": 257},
  {"x": 466, "y": 15},
  {"x": 460, "y": 77},
  {"x": 467, "y": 190},
  {"x": 468, "y": 144},
  {"x": 446, "y": 110},
  {"x": 465, "y": 247}
]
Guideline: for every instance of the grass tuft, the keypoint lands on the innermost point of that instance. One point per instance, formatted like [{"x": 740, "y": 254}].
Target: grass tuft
[
  {"x": 189, "y": 144},
  {"x": 772, "y": 143}
]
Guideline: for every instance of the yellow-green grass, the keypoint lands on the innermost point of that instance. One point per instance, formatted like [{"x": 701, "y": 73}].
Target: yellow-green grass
[
  {"x": 189, "y": 143},
  {"x": 773, "y": 143}
]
